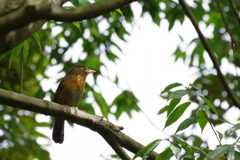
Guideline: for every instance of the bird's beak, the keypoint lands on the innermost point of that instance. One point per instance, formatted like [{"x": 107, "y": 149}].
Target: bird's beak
[{"x": 91, "y": 71}]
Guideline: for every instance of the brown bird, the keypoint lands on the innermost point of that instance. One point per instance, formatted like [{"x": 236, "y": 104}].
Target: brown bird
[{"x": 69, "y": 93}]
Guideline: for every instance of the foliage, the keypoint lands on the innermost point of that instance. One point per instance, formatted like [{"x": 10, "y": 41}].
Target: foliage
[
  {"x": 178, "y": 144},
  {"x": 49, "y": 47}
]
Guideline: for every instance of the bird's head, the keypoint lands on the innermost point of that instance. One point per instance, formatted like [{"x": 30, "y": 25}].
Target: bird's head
[{"x": 80, "y": 70}]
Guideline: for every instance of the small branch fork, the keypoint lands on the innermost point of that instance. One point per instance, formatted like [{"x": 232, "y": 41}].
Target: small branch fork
[
  {"x": 110, "y": 132},
  {"x": 211, "y": 54}
]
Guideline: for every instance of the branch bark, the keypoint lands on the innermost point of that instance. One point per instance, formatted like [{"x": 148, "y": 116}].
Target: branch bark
[
  {"x": 211, "y": 54},
  {"x": 49, "y": 11},
  {"x": 110, "y": 132},
  {"x": 31, "y": 16},
  {"x": 12, "y": 37}
]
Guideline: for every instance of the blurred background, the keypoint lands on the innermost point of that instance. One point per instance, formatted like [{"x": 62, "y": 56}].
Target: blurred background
[{"x": 137, "y": 51}]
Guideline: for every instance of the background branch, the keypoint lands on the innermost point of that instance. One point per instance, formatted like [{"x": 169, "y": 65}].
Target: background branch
[
  {"x": 211, "y": 54},
  {"x": 110, "y": 132}
]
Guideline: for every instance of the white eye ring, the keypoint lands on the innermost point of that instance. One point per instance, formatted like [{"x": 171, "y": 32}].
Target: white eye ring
[{"x": 83, "y": 68}]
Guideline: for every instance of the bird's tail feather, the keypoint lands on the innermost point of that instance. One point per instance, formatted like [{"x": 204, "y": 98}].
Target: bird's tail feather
[{"x": 58, "y": 131}]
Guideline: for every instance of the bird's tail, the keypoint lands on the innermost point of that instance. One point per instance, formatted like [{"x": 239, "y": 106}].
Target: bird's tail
[{"x": 58, "y": 130}]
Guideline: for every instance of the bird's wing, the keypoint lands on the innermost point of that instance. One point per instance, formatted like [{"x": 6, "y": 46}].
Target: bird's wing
[{"x": 67, "y": 94}]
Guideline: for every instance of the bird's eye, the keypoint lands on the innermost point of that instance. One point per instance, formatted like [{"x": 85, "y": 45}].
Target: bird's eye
[{"x": 83, "y": 68}]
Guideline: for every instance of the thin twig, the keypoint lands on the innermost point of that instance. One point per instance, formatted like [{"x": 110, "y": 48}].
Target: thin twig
[
  {"x": 151, "y": 122},
  {"x": 211, "y": 54},
  {"x": 236, "y": 141},
  {"x": 234, "y": 43},
  {"x": 211, "y": 126},
  {"x": 235, "y": 11},
  {"x": 197, "y": 101}
]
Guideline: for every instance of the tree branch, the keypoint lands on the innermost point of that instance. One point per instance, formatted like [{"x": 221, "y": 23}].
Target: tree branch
[
  {"x": 235, "y": 11},
  {"x": 211, "y": 54},
  {"x": 13, "y": 37},
  {"x": 110, "y": 132},
  {"x": 49, "y": 11}
]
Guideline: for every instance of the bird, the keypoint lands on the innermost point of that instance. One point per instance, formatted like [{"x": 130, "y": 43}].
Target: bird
[{"x": 69, "y": 93}]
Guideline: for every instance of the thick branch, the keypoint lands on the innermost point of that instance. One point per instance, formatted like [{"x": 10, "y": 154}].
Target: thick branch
[
  {"x": 11, "y": 38},
  {"x": 48, "y": 11},
  {"x": 211, "y": 54},
  {"x": 111, "y": 133}
]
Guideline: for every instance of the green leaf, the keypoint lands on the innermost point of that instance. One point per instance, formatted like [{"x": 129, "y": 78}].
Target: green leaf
[
  {"x": 178, "y": 94},
  {"x": 165, "y": 155},
  {"x": 209, "y": 104},
  {"x": 176, "y": 149},
  {"x": 144, "y": 153},
  {"x": 184, "y": 145},
  {"x": 16, "y": 50},
  {"x": 220, "y": 135},
  {"x": 84, "y": 2},
  {"x": 236, "y": 154},
  {"x": 231, "y": 153},
  {"x": 225, "y": 121},
  {"x": 75, "y": 3},
  {"x": 164, "y": 109},
  {"x": 102, "y": 104},
  {"x": 218, "y": 152},
  {"x": 205, "y": 108},
  {"x": 172, "y": 105},
  {"x": 235, "y": 127},
  {"x": 178, "y": 53},
  {"x": 199, "y": 89},
  {"x": 176, "y": 114},
  {"x": 77, "y": 24},
  {"x": 202, "y": 121},
  {"x": 187, "y": 122},
  {"x": 199, "y": 149},
  {"x": 25, "y": 49},
  {"x": 171, "y": 86},
  {"x": 119, "y": 11},
  {"x": 37, "y": 39}
]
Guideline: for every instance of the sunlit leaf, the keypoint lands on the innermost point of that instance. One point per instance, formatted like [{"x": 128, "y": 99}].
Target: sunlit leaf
[
  {"x": 77, "y": 24},
  {"x": 119, "y": 11}
]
